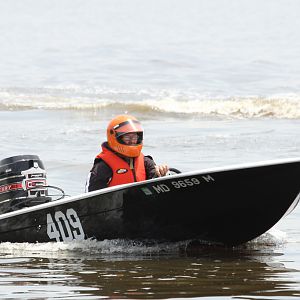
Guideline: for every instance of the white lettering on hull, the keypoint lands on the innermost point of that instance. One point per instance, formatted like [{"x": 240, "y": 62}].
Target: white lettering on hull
[
  {"x": 177, "y": 184},
  {"x": 161, "y": 188},
  {"x": 64, "y": 227}
]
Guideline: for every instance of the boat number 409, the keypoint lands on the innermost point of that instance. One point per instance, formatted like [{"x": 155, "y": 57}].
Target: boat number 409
[{"x": 64, "y": 227}]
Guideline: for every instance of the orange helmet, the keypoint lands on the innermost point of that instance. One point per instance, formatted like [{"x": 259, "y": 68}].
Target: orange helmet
[{"x": 119, "y": 126}]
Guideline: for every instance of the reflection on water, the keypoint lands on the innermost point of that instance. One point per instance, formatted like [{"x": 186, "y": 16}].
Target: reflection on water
[{"x": 243, "y": 273}]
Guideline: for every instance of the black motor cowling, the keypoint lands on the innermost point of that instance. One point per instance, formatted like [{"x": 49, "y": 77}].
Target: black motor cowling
[{"x": 22, "y": 182}]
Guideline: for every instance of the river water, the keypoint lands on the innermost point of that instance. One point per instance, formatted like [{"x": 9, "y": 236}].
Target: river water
[{"x": 214, "y": 83}]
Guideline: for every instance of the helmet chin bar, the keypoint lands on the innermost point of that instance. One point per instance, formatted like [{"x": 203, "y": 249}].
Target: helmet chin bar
[{"x": 128, "y": 150}]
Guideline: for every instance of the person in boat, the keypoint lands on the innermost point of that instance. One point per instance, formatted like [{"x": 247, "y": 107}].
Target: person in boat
[{"x": 121, "y": 160}]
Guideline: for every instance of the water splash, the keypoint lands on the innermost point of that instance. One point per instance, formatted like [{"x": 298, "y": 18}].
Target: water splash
[{"x": 91, "y": 247}]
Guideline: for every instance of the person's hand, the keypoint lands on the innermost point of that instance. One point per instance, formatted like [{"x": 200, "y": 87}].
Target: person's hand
[{"x": 161, "y": 170}]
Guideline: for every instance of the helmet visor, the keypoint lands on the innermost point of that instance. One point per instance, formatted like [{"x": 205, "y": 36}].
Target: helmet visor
[
  {"x": 128, "y": 140},
  {"x": 130, "y": 126}
]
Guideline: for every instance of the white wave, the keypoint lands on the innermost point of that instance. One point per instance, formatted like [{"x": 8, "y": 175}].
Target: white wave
[
  {"x": 273, "y": 237},
  {"x": 90, "y": 247},
  {"x": 235, "y": 108},
  {"x": 169, "y": 102}
]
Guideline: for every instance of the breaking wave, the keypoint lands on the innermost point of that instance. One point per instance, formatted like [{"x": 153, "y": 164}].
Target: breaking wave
[{"x": 172, "y": 103}]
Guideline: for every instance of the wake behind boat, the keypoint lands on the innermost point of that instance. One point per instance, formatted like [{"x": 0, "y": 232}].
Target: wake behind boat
[{"x": 227, "y": 206}]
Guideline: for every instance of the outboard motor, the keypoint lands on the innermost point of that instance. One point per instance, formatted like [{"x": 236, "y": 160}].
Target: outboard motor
[{"x": 22, "y": 182}]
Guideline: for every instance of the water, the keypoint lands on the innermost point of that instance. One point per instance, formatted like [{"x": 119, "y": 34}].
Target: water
[
  {"x": 214, "y": 83},
  {"x": 92, "y": 270}
]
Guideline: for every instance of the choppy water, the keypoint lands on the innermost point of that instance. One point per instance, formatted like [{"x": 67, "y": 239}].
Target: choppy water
[
  {"x": 214, "y": 83},
  {"x": 122, "y": 269}
]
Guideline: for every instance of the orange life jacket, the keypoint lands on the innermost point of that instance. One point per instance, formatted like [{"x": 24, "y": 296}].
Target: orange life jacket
[{"x": 122, "y": 173}]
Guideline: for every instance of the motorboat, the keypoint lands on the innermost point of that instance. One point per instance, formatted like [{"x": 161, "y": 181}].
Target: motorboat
[{"x": 226, "y": 206}]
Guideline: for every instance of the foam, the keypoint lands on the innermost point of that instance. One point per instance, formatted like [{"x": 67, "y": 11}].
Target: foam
[{"x": 174, "y": 103}]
